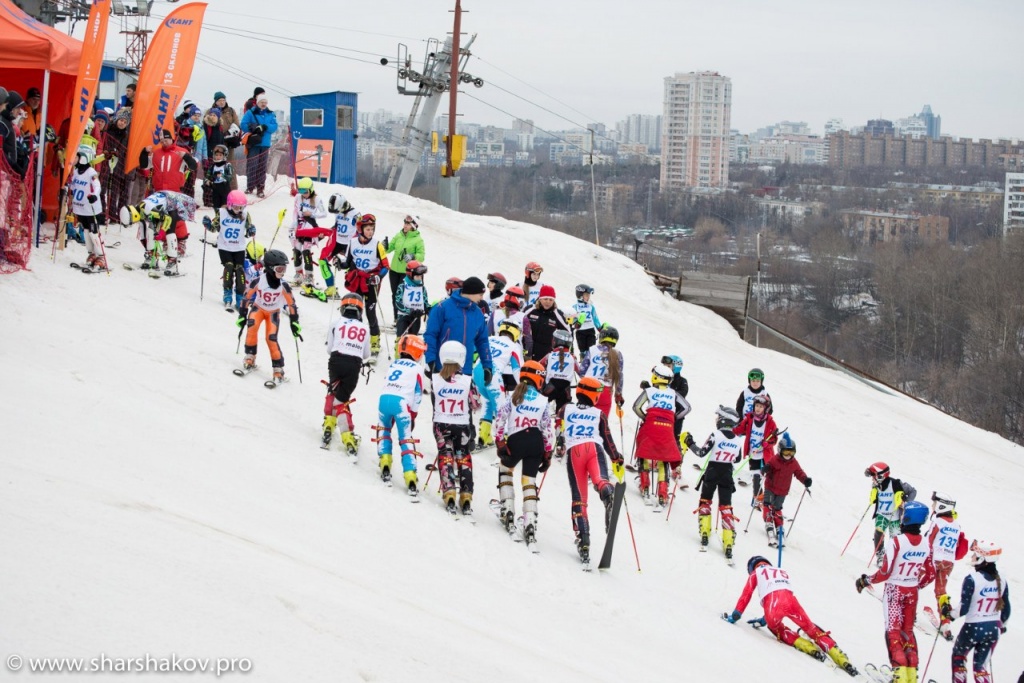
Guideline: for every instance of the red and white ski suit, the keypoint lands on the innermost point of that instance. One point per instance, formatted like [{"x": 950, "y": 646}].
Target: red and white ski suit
[
  {"x": 778, "y": 602},
  {"x": 585, "y": 429}
]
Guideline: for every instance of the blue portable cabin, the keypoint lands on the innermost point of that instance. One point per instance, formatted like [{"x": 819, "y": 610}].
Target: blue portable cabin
[
  {"x": 330, "y": 116},
  {"x": 114, "y": 78}
]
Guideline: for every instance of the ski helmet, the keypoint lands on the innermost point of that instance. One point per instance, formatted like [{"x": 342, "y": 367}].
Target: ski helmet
[
  {"x": 414, "y": 267},
  {"x": 984, "y": 551},
  {"x": 583, "y": 289},
  {"x": 661, "y": 375},
  {"x": 85, "y": 155},
  {"x": 914, "y": 513},
  {"x": 756, "y": 561},
  {"x": 365, "y": 220},
  {"x": 413, "y": 346},
  {"x": 787, "y": 445},
  {"x": 154, "y": 203},
  {"x": 498, "y": 279},
  {"x": 609, "y": 335},
  {"x": 305, "y": 185},
  {"x": 532, "y": 372},
  {"x": 727, "y": 418},
  {"x": 128, "y": 215},
  {"x": 352, "y": 306},
  {"x": 879, "y": 471},
  {"x": 254, "y": 250},
  {"x": 236, "y": 201},
  {"x": 511, "y": 328},
  {"x": 274, "y": 259},
  {"x": 759, "y": 400},
  {"x": 452, "y": 284},
  {"x": 513, "y": 298},
  {"x": 452, "y": 352},
  {"x": 674, "y": 362},
  {"x": 534, "y": 267},
  {"x": 338, "y": 204},
  {"x": 755, "y": 374},
  {"x": 414, "y": 221},
  {"x": 589, "y": 388},
  {"x": 942, "y": 504},
  {"x": 561, "y": 339},
  {"x": 221, "y": 149}
]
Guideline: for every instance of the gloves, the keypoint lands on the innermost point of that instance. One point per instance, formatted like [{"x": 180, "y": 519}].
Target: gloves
[
  {"x": 250, "y": 231},
  {"x": 241, "y": 321},
  {"x": 862, "y": 582},
  {"x": 808, "y": 482},
  {"x": 386, "y": 244},
  {"x": 488, "y": 374},
  {"x": 684, "y": 441},
  {"x": 547, "y": 462},
  {"x": 93, "y": 199},
  {"x": 338, "y": 263},
  {"x": 372, "y": 280},
  {"x": 407, "y": 258},
  {"x": 689, "y": 440},
  {"x": 732, "y": 618},
  {"x": 296, "y": 329},
  {"x": 1002, "y": 628},
  {"x": 758, "y": 623},
  {"x": 645, "y": 385},
  {"x": 207, "y": 223},
  {"x": 618, "y": 470},
  {"x": 619, "y": 400}
]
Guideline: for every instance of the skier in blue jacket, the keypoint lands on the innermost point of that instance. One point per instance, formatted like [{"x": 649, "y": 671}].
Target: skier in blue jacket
[{"x": 459, "y": 318}]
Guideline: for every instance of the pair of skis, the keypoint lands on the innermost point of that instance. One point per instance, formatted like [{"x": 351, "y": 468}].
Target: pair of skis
[{"x": 269, "y": 384}]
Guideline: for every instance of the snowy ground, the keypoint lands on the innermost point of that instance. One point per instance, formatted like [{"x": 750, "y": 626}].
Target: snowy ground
[{"x": 154, "y": 503}]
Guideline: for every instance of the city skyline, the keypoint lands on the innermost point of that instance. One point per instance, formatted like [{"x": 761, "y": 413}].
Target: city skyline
[{"x": 791, "y": 61}]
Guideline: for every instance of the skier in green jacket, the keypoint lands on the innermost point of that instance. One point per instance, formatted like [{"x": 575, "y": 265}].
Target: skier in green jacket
[{"x": 407, "y": 246}]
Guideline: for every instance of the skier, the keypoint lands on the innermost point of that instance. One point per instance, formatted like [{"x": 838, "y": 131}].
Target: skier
[
  {"x": 531, "y": 283},
  {"x": 348, "y": 343},
  {"x": 585, "y": 432},
  {"x": 682, "y": 388},
  {"x": 367, "y": 264},
  {"x": 263, "y": 302},
  {"x": 985, "y": 604},
  {"x": 775, "y": 593},
  {"x": 306, "y": 234},
  {"x": 560, "y": 368},
  {"x": 755, "y": 386},
  {"x": 455, "y": 399},
  {"x": 779, "y": 471},
  {"x": 888, "y": 495},
  {"x": 233, "y": 226},
  {"x": 507, "y": 357},
  {"x": 336, "y": 250},
  {"x": 761, "y": 433},
  {"x": 411, "y": 299},
  {"x": 495, "y": 291},
  {"x": 655, "y": 440},
  {"x": 525, "y": 419},
  {"x": 218, "y": 177},
  {"x": 584, "y": 318},
  {"x": 906, "y": 568},
  {"x": 510, "y": 309},
  {"x": 948, "y": 544},
  {"x": 165, "y": 224},
  {"x": 407, "y": 245},
  {"x": 85, "y": 190},
  {"x": 398, "y": 406},
  {"x": 253, "y": 263},
  {"x": 605, "y": 362},
  {"x": 723, "y": 449}
]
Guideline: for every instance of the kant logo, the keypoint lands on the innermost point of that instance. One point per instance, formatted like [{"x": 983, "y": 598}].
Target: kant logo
[{"x": 172, "y": 22}]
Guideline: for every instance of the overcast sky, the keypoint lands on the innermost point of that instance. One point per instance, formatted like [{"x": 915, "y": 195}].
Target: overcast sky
[{"x": 798, "y": 60}]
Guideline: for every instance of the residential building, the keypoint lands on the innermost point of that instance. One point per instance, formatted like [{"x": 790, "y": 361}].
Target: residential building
[
  {"x": 977, "y": 196},
  {"x": 793, "y": 149},
  {"x": 739, "y": 147},
  {"x": 695, "y": 131},
  {"x": 643, "y": 129},
  {"x": 914, "y": 126},
  {"x": 875, "y": 227},
  {"x": 847, "y": 150},
  {"x": 1013, "y": 203},
  {"x": 793, "y": 210},
  {"x": 833, "y": 126},
  {"x": 879, "y": 127},
  {"x": 611, "y": 196},
  {"x": 523, "y": 126}
]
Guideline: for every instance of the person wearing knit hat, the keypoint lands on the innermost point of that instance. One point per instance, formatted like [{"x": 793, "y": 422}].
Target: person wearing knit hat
[
  {"x": 251, "y": 102},
  {"x": 544, "y": 319},
  {"x": 471, "y": 286},
  {"x": 17, "y": 159},
  {"x": 3, "y": 98},
  {"x": 228, "y": 118},
  {"x": 459, "y": 317}
]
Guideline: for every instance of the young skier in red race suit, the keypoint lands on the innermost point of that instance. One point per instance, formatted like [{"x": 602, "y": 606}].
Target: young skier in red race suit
[
  {"x": 778, "y": 601},
  {"x": 906, "y": 569},
  {"x": 779, "y": 472},
  {"x": 761, "y": 433}
]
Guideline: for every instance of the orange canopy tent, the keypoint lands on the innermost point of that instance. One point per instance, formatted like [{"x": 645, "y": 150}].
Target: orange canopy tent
[{"x": 34, "y": 55}]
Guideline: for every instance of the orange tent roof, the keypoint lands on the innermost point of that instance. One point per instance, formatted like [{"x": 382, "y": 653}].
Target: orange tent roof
[{"x": 30, "y": 44}]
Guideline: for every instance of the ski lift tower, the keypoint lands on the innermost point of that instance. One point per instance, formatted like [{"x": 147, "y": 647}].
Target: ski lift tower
[
  {"x": 136, "y": 37},
  {"x": 428, "y": 87}
]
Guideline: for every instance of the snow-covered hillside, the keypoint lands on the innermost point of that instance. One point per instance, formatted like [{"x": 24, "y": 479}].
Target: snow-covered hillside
[{"x": 154, "y": 503}]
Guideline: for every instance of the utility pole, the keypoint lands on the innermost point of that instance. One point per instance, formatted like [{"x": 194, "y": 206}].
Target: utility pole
[
  {"x": 448, "y": 186},
  {"x": 593, "y": 188}
]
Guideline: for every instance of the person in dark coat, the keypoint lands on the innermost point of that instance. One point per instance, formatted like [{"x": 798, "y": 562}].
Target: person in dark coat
[{"x": 544, "y": 318}]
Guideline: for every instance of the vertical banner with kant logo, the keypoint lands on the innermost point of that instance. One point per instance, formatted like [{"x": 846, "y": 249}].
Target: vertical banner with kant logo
[
  {"x": 165, "y": 74},
  {"x": 88, "y": 77}
]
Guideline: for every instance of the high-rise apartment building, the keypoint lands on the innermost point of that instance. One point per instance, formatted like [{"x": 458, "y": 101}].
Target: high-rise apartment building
[
  {"x": 1013, "y": 204},
  {"x": 643, "y": 129},
  {"x": 695, "y": 130}
]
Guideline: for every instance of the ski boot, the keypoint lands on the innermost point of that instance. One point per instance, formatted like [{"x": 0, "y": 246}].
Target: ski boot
[
  {"x": 100, "y": 263},
  {"x": 809, "y": 648},
  {"x": 385, "y": 468},
  {"x": 238, "y": 301},
  {"x": 842, "y": 661},
  {"x": 91, "y": 260},
  {"x": 769, "y": 529},
  {"x": 450, "y": 506},
  {"x": 172, "y": 267},
  {"x": 412, "y": 483},
  {"x": 466, "y": 504},
  {"x": 560, "y": 447},
  {"x": 908, "y": 674},
  {"x": 508, "y": 517},
  {"x": 278, "y": 375},
  {"x": 945, "y": 617},
  {"x": 583, "y": 547},
  {"x": 330, "y": 422},
  {"x": 331, "y": 292},
  {"x": 149, "y": 261},
  {"x": 227, "y": 299},
  {"x": 249, "y": 362},
  {"x": 374, "y": 344},
  {"x": 485, "y": 435},
  {"x": 351, "y": 442},
  {"x": 728, "y": 541},
  {"x": 704, "y": 526}
]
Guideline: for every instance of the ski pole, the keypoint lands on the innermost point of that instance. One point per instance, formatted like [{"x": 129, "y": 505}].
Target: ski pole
[
  {"x": 751, "y": 517},
  {"x": 431, "y": 469},
  {"x": 924, "y": 676},
  {"x": 671, "y": 499},
  {"x": 799, "y": 503},
  {"x": 99, "y": 238},
  {"x": 631, "y": 535},
  {"x": 878, "y": 547},
  {"x": 855, "y": 529},
  {"x": 202, "y": 273},
  {"x": 541, "y": 485},
  {"x": 280, "y": 221},
  {"x": 298, "y": 361}
]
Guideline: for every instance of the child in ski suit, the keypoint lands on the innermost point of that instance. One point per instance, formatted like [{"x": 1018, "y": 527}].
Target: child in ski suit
[
  {"x": 510, "y": 309},
  {"x": 755, "y": 387},
  {"x": 348, "y": 343},
  {"x": 525, "y": 419},
  {"x": 723, "y": 449},
  {"x": 775, "y": 594},
  {"x": 411, "y": 299},
  {"x": 657, "y": 407},
  {"x": 985, "y": 607},
  {"x": 335, "y": 252},
  {"x": 889, "y": 495},
  {"x": 560, "y": 368},
  {"x": 584, "y": 319},
  {"x": 779, "y": 471},
  {"x": 906, "y": 569},
  {"x": 217, "y": 183},
  {"x": 948, "y": 544},
  {"x": 263, "y": 303},
  {"x": 761, "y": 433},
  {"x": 507, "y": 357},
  {"x": 455, "y": 399},
  {"x": 605, "y": 362},
  {"x": 367, "y": 263},
  {"x": 398, "y": 406},
  {"x": 233, "y": 227},
  {"x": 585, "y": 431},
  {"x": 306, "y": 233},
  {"x": 84, "y": 189}
]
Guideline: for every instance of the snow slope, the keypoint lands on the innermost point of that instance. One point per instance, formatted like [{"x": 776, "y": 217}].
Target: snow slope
[{"x": 154, "y": 503}]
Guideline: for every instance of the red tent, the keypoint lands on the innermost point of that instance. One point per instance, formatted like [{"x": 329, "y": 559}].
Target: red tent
[{"x": 34, "y": 55}]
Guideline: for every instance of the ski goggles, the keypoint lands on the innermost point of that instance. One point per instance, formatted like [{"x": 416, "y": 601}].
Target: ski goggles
[
  {"x": 756, "y": 377},
  {"x": 280, "y": 271}
]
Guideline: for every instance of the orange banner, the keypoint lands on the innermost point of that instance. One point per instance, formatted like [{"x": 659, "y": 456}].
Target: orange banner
[
  {"x": 88, "y": 78},
  {"x": 165, "y": 74}
]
